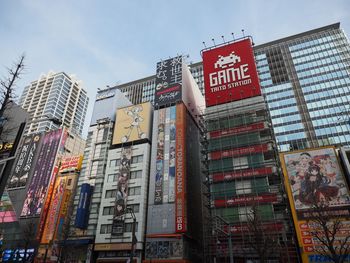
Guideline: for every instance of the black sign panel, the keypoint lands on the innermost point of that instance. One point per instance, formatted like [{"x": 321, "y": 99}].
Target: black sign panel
[
  {"x": 168, "y": 81},
  {"x": 25, "y": 161}
]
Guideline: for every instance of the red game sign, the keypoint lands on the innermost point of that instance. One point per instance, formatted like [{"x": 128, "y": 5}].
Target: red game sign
[{"x": 230, "y": 73}]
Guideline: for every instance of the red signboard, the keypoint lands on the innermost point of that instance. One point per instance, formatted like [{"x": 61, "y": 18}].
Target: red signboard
[
  {"x": 237, "y": 130},
  {"x": 230, "y": 73},
  {"x": 265, "y": 198},
  {"x": 239, "y": 151},
  {"x": 219, "y": 177}
]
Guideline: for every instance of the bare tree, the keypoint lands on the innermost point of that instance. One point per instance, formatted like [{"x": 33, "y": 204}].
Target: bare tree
[
  {"x": 328, "y": 230},
  {"x": 264, "y": 244},
  {"x": 7, "y": 88}
]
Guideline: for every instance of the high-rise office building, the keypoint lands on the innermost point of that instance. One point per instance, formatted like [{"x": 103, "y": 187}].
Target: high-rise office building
[
  {"x": 306, "y": 79},
  {"x": 55, "y": 95}
]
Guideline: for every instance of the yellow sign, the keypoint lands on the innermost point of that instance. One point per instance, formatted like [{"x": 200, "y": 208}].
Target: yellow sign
[
  {"x": 314, "y": 175},
  {"x": 132, "y": 123}
]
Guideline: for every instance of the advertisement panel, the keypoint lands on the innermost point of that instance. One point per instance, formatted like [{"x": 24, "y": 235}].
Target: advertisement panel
[
  {"x": 167, "y": 249},
  {"x": 158, "y": 195},
  {"x": 7, "y": 212},
  {"x": 25, "y": 161},
  {"x": 168, "y": 81},
  {"x": 230, "y": 73},
  {"x": 66, "y": 205},
  {"x": 47, "y": 203},
  {"x": 253, "y": 149},
  {"x": 311, "y": 177},
  {"x": 264, "y": 198},
  {"x": 71, "y": 163},
  {"x": 37, "y": 189},
  {"x": 227, "y": 176},
  {"x": 122, "y": 191},
  {"x": 172, "y": 154},
  {"x": 52, "y": 216},
  {"x": 132, "y": 123},
  {"x": 180, "y": 170},
  {"x": 82, "y": 217}
]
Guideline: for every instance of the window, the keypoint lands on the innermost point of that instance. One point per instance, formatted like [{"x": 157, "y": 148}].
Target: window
[
  {"x": 128, "y": 227},
  {"x": 243, "y": 187},
  {"x": 135, "y": 174},
  {"x": 135, "y": 207},
  {"x": 114, "y": 162},
  {"x": 112, "y": 178},
  {"x": 105, "y": 229},
  {"x": 111, "y": 193},
  {"x": 109, "y": 210},
  {"x": 137, "y": 159},
  {"x": 134, "y": 190}
]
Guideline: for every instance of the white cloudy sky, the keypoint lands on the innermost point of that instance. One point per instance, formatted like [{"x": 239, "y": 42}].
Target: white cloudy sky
[{"x": 114, "y": 41}]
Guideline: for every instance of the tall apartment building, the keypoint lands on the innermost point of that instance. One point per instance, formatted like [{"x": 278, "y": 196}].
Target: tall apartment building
[{"x": 55, "y": 95}]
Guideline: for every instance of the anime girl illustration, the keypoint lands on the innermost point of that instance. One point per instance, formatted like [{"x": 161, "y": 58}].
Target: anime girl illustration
[{"x": 136, "y": 120}]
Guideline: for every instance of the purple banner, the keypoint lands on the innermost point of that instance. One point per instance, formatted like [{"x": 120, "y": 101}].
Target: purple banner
[{"x": 37, "y": 189}]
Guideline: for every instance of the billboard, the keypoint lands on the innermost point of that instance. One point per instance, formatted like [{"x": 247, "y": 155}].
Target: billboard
[
  {"x": 37, "y": 189},
  {"x": 158, "y": 195},
  {"x": 122, "y": 191},
  {"x": 314, "y": 176},
  {"x": 71, "y": 163},
  {"x": 180, "y": 170},
  {"x": 230, "y": 73},
  {"x": 7, "y": 212},
  {"x": 132, "y": 123},
  {"x": 25, "y": 161},
  {"x": 82, "y": 217},
  {"x": 168, "y": 81}
]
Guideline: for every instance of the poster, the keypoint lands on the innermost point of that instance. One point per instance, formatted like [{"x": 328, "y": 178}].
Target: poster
[{"x": 158, "y": 197}]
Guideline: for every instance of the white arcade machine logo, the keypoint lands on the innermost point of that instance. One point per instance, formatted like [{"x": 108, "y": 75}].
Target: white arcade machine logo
[
  {"x": 229, "y": 60},
  {"x": 229, "y": 77}
]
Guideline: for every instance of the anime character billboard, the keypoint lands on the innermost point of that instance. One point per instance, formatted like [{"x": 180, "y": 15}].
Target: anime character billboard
[
  {"x": 132, "y": 123},
  {"x": 314, "y": 177}
]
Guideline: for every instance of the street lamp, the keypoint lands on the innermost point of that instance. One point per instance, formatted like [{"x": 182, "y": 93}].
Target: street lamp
[{"x": 12, "y": 156}]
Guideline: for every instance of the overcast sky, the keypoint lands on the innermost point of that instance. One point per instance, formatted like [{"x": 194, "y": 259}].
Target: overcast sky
[{"x": 108, "y": 42}]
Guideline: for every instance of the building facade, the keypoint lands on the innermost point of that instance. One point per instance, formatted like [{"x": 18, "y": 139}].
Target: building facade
[
  {"x": 305, "y": 79},
  {"x": 56, "y": 95}
]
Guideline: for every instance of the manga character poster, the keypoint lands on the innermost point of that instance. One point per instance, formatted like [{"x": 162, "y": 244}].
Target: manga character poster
[
  {"x": 122, "y": 191},
  {"x": 39, "y": 184},
  {"x": 172, "y": 154},
  {"x": 158, "y": 197},
  {"x": 315, "y": 176}
]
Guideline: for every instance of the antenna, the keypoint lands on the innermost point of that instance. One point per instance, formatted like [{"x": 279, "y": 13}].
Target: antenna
[
  {"x": 243, "y": 32},
  {"x": 223, "y": 39},
  {"x": 204, "y": 44},
  {"x": 233, "y": 36},
  {"x": 213, "y": 41}
]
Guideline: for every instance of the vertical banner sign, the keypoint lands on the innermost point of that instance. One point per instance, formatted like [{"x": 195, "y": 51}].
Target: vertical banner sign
[
  {"x": 180, "y": 169},
  {"x": 37, "y": 189},
  {"x": 47, "y": 204},
  {"x": 172, "y": 154},
  {"x": 122, "y": 191},
  {"x": 82, "y": 217},
  {"x": 230, "y": 73},
  {"x": 25, "y": 161},
  {"x": 168, "y": 81},
  {"x": 313, "y": 176},
  {"x": 51, "y": 221},
  {"x": 158, "y": 195}
]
